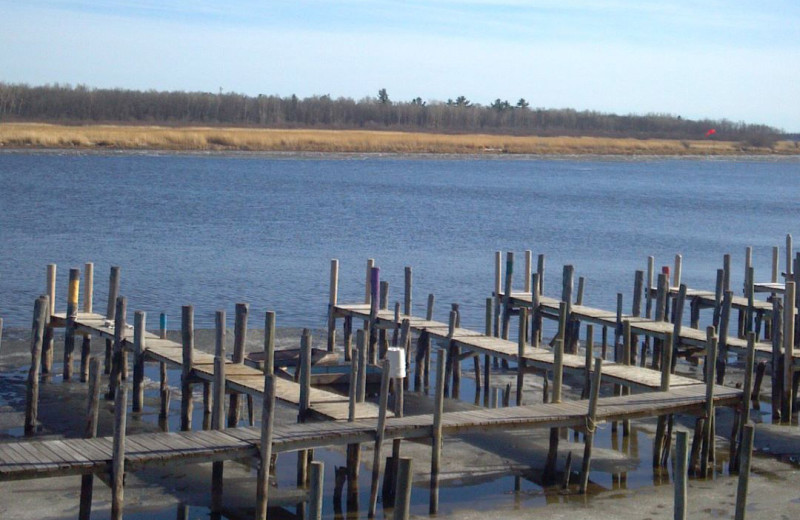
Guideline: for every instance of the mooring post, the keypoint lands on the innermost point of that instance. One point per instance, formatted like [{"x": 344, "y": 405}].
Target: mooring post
[
  {"x": 239, "y": 341},
  {"x": 407, "y": 292},
  {"x": 332, "y": 301},
  {"x": 487, "y": 358},
  {"x": 163, "y": 387},
  {"x": 111, "y": 309},
  {"x": 402, "y": 496},
  {"x": 436, "y": 433},
  {"x": 708, "y": 424},
  {"x": 789, "y": 311},
  {"x": 117, "y": 374},
  {"x": 92, "y": 412},
  {"x": 507, "y": 293},
  {"x": 375, "y": 280},
  {"x": 139, "y": 326},
  {"x": 497, "y": 288},
  {"x": 747, "y": 392},
  {"x": 591, "y": 425},
  {"x": 72, "y": 314},
  {"x": 86, "y": 343},
  {"x": 118, "y": 458},
  {"x": 744, "y": 471},
  {"x": 777, "y": 359},
  {"x": 681, "y": 481},
  {"x": 47, "y": 346},
  {"x": 218, "y": 413},
  {"x": 587, "y": 367},
  {"x": 315, "y": 490},
  {"x": 722, "y": 358},
  {"x": 552, "y": 453},
  {"x": 265, "y": 448},
  {"x": 361, "y": 350},
  {"x": 305, "y": 376},
  {"x": 523, "y": 326},
  {"x": 376, "y": 460},
  {"x": 187, "y": 342},
  {"x": 40, "y": 321}
]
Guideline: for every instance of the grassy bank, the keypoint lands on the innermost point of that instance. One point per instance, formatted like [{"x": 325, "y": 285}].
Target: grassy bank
[{"x": 35, "y": 135}]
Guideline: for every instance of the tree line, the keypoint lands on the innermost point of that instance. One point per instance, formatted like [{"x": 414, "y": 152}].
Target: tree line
[{"x": 82, "y": 104}]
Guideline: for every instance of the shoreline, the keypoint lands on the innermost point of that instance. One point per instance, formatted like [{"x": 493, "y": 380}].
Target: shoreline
[{"x": 289, "y": 142}]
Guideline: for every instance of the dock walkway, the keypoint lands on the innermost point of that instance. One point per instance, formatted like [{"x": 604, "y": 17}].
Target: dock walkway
[
  {"x": 39, "y": 459},
  {"x": 538, "y": 358},
  {"x": 240, "y": 378}
]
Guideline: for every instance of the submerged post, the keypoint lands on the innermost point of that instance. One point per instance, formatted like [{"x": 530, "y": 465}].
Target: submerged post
[
  {"x": 187, "y": 341},
  {"x": 40, "y": 319}
]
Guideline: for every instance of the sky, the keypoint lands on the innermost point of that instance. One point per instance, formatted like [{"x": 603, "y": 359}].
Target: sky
[{"x": 737, "y": 60}]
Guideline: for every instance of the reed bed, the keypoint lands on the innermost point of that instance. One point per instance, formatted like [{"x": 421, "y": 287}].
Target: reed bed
[{"x": 36, "y": 135}]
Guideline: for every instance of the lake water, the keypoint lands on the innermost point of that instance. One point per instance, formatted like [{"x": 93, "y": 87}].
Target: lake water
[{"x": 213, "y": 230}]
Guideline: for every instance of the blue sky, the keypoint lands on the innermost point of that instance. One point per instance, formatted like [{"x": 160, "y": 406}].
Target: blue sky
[{"x": 732, "y": 59}]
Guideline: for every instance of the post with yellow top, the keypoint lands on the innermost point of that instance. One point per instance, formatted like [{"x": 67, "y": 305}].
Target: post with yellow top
[{"x": 72, "y": 314}]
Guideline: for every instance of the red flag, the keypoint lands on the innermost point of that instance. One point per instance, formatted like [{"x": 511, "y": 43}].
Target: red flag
[{"x": 711, "y": 132}]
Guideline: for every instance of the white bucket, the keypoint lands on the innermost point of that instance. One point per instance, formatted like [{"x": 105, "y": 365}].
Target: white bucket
[{"x": 397, "y": 362}]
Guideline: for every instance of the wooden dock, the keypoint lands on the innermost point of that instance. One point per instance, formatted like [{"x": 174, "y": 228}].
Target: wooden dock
[
  {"x": 540, "y": 359},
  {"x": 240, "y": 378},
  {"x": 39, "y": 459}
]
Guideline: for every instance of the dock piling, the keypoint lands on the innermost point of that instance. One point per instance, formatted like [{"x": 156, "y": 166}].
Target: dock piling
[
  {"x": 40, "y": 320},
  {"x": 187, "y": 342}
]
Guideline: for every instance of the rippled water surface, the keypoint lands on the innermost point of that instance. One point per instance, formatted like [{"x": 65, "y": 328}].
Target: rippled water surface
[{"x": 214, "y": 230}]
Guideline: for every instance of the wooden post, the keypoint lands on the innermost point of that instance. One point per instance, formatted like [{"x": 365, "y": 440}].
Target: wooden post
[
  {"x": 680, "y": 301},
  {"x": 163, "y": 388},
  {"x": 218, "y": 413},
  {"x": 744, "y": 472},
  {"x": 540, "y": 290},
  {"x": 661, "y": 440},
  {"x": 788, "y": 256},
  {"x": 361, "y": 348},
  {"x": 626, "y": 360},
  {"x": 118, "y": 452},
  {"x": 305, "y": 376},
  {"x": 92, "y": 411},
  {"x": 88, "y": 294},
  {"x": 726, "y": 273},
  {"x": 117, "y": 374},
  {"x": 747, "y": 392},
  {"x": 777, "y": 360},
  {"x": 265, "y": 448},
  {"x": 676, "y": 276},
  {"x": 187, "y": 341},
  {"x": 507, "y": 293},
  {"x": 139, "y": 326},
  {"x": 72, "y": 313},
  {"x": 649, "y": 291},
  {"x": 497, "y": 288},
  {"x": 523, "y": 326},
  {"x": 407, "y": 292},
  {"x": 402, "y": 495},
  {"x": 111, "y": 309},
  {"x": 588, "y": 354},
  {"x": 332, "y": 301},
  {"x": 315, "y": 492},
  {"x": 239, "y": 341},
  {"x": 376, "y": 460},
  {"x": 47, "y": 346},
  {"x": 487, "y": 358},
  {"x": 536, "y": 313},
  {"x": 526, "y": 276},
  {"x": 581, "y": 285},
  {"x": 708, "y": 424},
  {"x": 789, "y": 311},
  {"x": 436, "y": 434},
  {"x": 552, "y": 453},
  {"x": 591, "y": 426},
  {"x": 681, "y": 484},
  {"x": 40, "y": 320},
  {"x": 375, "y": 281},
  {"x": 722, "y": 357}
]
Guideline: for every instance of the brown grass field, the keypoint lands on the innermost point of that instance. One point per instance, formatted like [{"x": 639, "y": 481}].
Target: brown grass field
[{"x": 190, "y": 138}]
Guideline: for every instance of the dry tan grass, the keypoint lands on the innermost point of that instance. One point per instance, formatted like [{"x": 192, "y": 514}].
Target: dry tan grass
[{"x": 34, "y": 135}]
